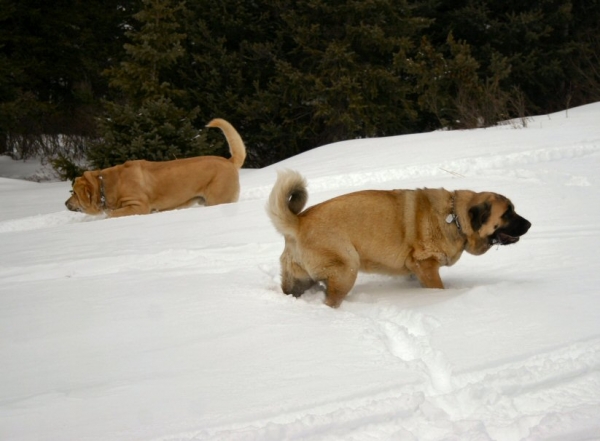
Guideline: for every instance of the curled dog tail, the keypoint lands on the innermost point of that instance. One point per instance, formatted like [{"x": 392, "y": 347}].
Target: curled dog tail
[
  {"x": 287, "y": 199},
  {"x": 236, "y": 145}
]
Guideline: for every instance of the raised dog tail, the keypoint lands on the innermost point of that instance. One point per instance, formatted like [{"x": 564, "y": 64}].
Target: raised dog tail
[
  {"x": 286, "y": 200},
  {"x": 236, "y": 145}
]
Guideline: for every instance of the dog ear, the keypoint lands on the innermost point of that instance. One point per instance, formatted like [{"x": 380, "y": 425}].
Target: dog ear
[
  {"x": 91, "y": 184},
  {"x": 81, "y": 189},
  {"x": 479, "y": 215},
  {"x": 88, "y": 193}
]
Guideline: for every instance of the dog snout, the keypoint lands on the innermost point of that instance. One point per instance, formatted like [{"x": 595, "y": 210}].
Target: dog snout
[
  {"x": 70, "y": 206},
  {"x": 526, "y": 225},
  {"x": 522, "y": 226}
]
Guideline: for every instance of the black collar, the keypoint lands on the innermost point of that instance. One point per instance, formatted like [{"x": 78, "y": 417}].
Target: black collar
[{"x": 102, "y": 194}]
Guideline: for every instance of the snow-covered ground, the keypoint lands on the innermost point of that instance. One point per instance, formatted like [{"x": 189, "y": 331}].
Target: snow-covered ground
[
  {"x": 30, "y": 169},
  {"x": 173, "y": 326}
]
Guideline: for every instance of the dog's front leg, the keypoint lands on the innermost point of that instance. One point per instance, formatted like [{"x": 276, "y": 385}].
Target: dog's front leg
[
  {"x": 427, "y": 271},
  {"x": 130, "y": 209}
]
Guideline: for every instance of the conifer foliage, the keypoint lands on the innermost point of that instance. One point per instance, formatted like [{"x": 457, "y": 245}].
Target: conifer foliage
[
  {"x": 302, "y": 74},
  {"x": 149, "y": 120},
  {"x": 290, "y": 75},
  {"x": 51, "y": 58},
  {"x": 341, "y": 70}
]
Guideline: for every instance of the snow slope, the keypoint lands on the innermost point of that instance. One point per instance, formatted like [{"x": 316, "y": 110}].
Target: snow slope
[{"x": 173, "y": 326}]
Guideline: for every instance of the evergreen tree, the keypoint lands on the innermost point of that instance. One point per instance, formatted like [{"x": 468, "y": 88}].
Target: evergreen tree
[
  {"x": 582, "y": 56},
  {"x": 289, "y": 75},
  {"x": 150, "y": 120},
  {"x": 303, "y": 74},
  {"x": 51, "y": 56},
  {"x": 453, "y": 89},
  {"x": 540, "y": 42},
  {"x": 343, "y": 70},
  {"x": 231, "y": 46}
]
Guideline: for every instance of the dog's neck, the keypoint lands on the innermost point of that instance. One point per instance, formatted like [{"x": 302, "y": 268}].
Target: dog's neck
[
  {"x": 453, "y": 217},
  {"x": 102, "y": 193}
]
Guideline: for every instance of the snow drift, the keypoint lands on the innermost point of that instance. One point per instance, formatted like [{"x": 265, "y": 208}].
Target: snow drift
[{"x": 172, "y": 326}]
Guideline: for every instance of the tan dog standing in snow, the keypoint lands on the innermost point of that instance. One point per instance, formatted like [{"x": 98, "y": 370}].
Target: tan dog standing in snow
[
  {"x": 389, "y": 232},
  {"x": 142, "y": 187}
]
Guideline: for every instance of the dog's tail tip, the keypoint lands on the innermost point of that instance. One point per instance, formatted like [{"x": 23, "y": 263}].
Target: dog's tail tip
[
  {"x": 216, "y": 122},
  {"x": 287, "y": 199},
  {"x": 236, "y": 144},
  {"x": 294, "y": 188}
]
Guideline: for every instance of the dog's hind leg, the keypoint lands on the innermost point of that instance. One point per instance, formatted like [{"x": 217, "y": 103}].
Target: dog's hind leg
[
  {"x": 223, "y": 189},
  {"x": 340, "y": 278},
  {"x": 199, "y": 200}
]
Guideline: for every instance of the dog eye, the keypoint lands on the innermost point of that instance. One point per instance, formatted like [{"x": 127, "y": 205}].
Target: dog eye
[{"x": 510, "y": 211}]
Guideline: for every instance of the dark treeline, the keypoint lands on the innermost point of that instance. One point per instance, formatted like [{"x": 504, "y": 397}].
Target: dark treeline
[{"x": 111, "y": 80}]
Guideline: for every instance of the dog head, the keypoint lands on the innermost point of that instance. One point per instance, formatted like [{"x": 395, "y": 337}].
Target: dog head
[
  {"x": 492, "y": 221},
  {"x": 85, "y": 195}
]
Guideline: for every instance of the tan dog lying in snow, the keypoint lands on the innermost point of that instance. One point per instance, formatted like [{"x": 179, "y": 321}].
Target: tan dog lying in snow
[
  {"x": 391, "y": 232},
  {"x": 142, "y": 187}
]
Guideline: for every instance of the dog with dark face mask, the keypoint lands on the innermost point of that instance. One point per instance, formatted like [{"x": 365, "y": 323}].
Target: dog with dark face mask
[{"x": 391, "y": 232}]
